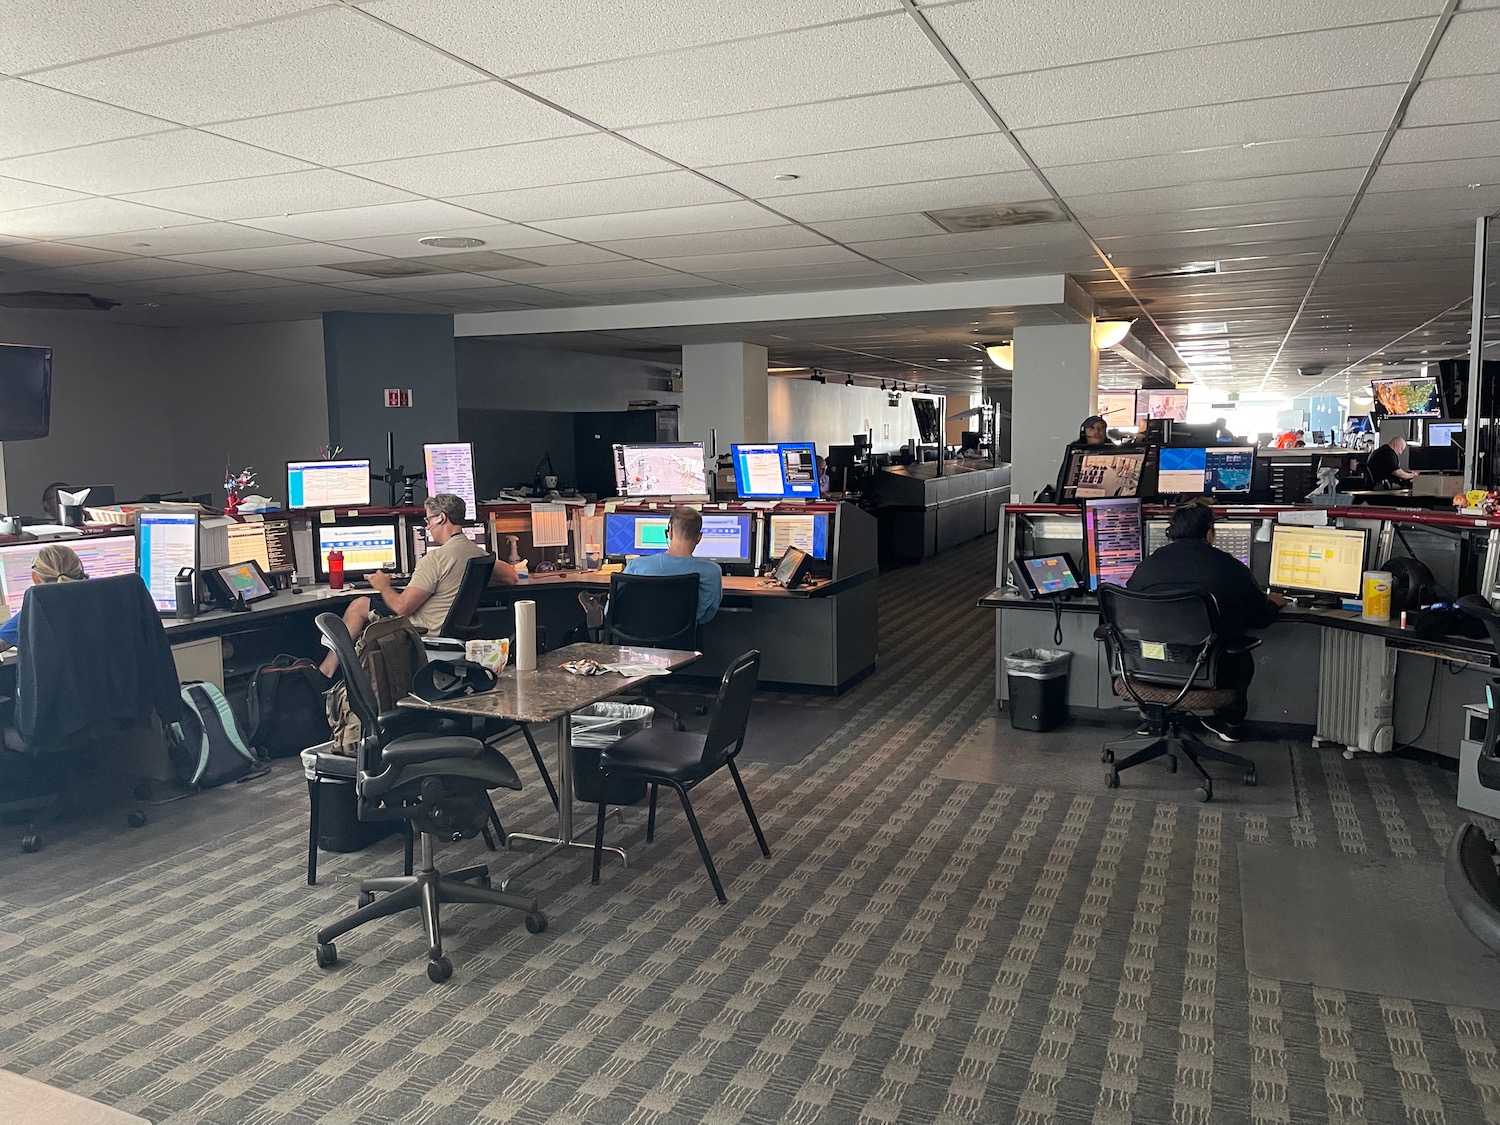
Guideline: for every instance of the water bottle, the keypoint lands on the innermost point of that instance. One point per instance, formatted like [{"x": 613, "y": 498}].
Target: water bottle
[
  {"x": 187, "y": 594},
  {"x": 335, "y": 569}
]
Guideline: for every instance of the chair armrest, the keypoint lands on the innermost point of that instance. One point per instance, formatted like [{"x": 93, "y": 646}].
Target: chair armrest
[
  {"x": 414, "y": 748},
  {"x": 405, "y": 721},
  {"x": 1101, "y": 633},
  {"x": 1243, "y": 645}
]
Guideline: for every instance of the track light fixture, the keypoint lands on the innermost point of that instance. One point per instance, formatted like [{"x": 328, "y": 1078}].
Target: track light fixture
[
  {"x": 818, "y": 377},
  {"x": 849, "y": 380},
  {"x": 882, "y": 384}
]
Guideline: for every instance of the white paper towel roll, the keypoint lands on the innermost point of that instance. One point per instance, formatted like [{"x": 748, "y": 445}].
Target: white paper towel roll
[{"x": 525, "y": 636}]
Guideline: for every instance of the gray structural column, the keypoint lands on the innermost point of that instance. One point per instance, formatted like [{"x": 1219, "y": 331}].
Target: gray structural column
[
  {"x": 724, "y": 394},
  {"x": 1053, "y": 389}
]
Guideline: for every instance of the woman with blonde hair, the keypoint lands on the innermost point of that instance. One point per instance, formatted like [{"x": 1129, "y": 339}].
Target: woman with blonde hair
[{"x": 53, "y": 563}]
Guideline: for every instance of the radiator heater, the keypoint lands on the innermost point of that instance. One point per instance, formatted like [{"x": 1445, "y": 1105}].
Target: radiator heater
[{"x": 1356, "y": 693}]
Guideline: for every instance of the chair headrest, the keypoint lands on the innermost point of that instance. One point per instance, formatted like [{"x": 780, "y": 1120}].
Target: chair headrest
[{"x": 443, "y": 679}]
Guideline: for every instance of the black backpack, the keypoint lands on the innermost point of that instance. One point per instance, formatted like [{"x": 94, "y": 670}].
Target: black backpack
[
  {"x": 205, "y": 744},
  {"x": 285, "y": 704}
]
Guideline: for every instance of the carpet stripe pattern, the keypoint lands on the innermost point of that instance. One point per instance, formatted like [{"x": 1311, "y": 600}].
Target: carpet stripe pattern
[{"x": 915, "y": 950}]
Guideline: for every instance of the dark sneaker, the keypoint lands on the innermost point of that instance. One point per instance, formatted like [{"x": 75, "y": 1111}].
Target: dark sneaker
[{"x": 1224, "y": 731}]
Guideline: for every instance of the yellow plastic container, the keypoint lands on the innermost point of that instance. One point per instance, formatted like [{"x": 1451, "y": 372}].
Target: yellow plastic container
[{"x": 1377, "y": 595}]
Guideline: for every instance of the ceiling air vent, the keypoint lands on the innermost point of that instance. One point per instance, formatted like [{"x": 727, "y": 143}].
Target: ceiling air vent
[
  {"x": 991, "y": 216},
  {"x": 43, "y": 299}
]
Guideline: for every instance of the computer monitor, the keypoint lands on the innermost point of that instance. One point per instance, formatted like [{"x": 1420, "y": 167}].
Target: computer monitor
[
  {"x": 1324, "y": 561},
  {"x": 1230, "y": 536},
  {"x": 1171, "y": 405},
  {"x": 786, "y": 471},
  {"x": 1443, "y": 433},
  {"x": 1111, "y": 473},
  {"x": 661, "y": 469},
  {"x": 450, "y": 468},
  {"x": 166, "y": 541},
  {"x": 1113, "y": 543},
  {"x": 328, "y": 484},
  {"x": 1194, "y": 470},
  {"x": 1414, "y": 397},
  {"x": 269, "y": 543},
  {"x": 367, "y": 545},
  {"x": 727, "y": 536},
  {"x": 806, "y": 531},
  {"x": 476, "y": 533},
  {"x": 1359, "y": 424},
  {"x": 1117, "y": 408},
  {"x": 104, "y": 557}
]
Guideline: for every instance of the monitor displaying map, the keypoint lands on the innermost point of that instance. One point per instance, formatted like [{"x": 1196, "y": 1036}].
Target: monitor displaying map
[{"x": 662, "y": 469}]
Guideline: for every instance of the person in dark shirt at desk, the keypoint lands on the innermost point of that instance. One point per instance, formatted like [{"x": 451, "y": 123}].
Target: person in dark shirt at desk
[
  {"x": 684, "y": 532},
  {"x": 1189, "y": 562},
  {"x": 1093, "y": 433},
  {"x": 1385, "y": 466}
]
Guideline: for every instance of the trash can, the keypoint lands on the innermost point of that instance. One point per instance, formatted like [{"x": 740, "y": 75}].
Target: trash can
[
  {"x": 595, "y": 728},
  {"x": 332, "y": 786},
  {"x": 1038, "y": 681}
]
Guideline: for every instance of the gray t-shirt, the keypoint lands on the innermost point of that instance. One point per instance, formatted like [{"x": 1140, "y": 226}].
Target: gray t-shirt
[{"x": 441, "y": 572}]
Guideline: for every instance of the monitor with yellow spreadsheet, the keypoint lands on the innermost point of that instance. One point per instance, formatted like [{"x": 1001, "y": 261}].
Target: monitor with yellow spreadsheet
[{"x": 1323, "y": 561}]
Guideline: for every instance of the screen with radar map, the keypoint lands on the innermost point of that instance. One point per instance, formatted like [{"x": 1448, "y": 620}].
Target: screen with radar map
[{"x": 674, "y": 469}]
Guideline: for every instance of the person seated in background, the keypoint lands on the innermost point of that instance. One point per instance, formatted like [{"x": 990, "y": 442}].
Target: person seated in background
[
  {"x": 1385, "y": 468},
  {"x": 435, "y": 581},
  {"x": 1093, "y": 433},
  {"x": 53, "y": 563},
  {"x": 1190, "y": 563},
  {"x": 1222, "y": 431},
  {"x": 1291, "y": 439},
  {"x": 684, "y": 532}
]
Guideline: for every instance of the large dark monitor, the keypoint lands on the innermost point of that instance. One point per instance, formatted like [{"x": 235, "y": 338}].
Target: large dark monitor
[
  {"x": 25, "y": 392},
  {"x": 1107, "y": 473},
  {"x": 1113, "y": 540},
  {"x": 1414, "y": 397},
  {"x": 928, "y": 422},
  {"x": 1327, "y": 562},
  {"x": 367, "y": 545},
  {"x": 1194, "y": 470},
  {"x": 786, "y": 471}
]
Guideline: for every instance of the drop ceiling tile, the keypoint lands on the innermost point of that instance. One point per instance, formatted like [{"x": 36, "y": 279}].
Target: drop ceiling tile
[
  {"x": 762, "y": 259},
  {"x": 476, "y": 115},
  {"x": 415, "y": 285},
  {"x": 790, "y": 68},
  {"x": 42, "y": 33},
  {"x": 316, "y": 275},
  {"x": 1266, "y": 189},
  {"x": 878, "y": 228},
  {"x": 852, "y": 269},
  {"x": 88, "y": 216},
  {"x": 131, "y": 269},
  {"x": 1467, "y": 47},
  {"x": 322, "y": 57},
  {"x": 716, "y": 242},
  {"x": 595, "y": 271},
  {"x": 183, "y": 156},
  {"x": 218, "y": 281},
  {"x": 781, "y": 284},
  {"x": 1269, "y": 216},
  {"x": 569, "y": 254},
  {"x": 627, "y": 284},
  {"x": 495, "y": 235},
  {"x": 1378, "y": 55},
  {"x": 1005, "y": 35},
  {"x": 565, "y": 160},
  {"x": 1454, "y": 101},
  {"x": 56, "y": 254},
  {"x": 277, "y": 257},
  {"x": 598, "y": 197},
  {"x": 195, "y": 239},
  {"x": 415, "y": 217},
  {"x": 851, "y": 123},
  {"x": 512, "y": 39},
  {"x": 291, "y": 193},
  {"x": 1005, "y": 187},
  {"x": 1436, "y": 174},
  {"x": 651, "y": 224},
  {"x": 15, "y": 194},
  {"x": 1443, "y": 142},
  {"x": 38, "y": 119},
  {"x": 1430, "y": 201}
]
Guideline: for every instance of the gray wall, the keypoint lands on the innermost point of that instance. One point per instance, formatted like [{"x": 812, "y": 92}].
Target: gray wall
[
  {"x": 831, "y": 414},
  {"x": 509, "y": 444},
  {"x": 502, "y": 376}
]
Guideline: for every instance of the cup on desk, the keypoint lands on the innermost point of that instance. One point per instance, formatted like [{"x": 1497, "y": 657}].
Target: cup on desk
[
  {"x": 492, "y": 654},
  {"x": 591, "y": 556}
]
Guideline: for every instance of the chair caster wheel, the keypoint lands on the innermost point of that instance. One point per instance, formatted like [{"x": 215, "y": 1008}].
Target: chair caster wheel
[
  {"x": 1107, "y": 757},
  {"x": 536, "y": 922},
  {"x": 364, "y": 899},
  {"x": 136, "y": 819},
  {"x": 439, "y": 970},
  {"x": 1112, "y": 779},
  {"x": 328, "y": 956},
  {"x": 31, "y": 842},
  {"x": 1250, "y": 778},
  {"x": 677, "y": 724},
  {"x": 1205, "y": 793}
]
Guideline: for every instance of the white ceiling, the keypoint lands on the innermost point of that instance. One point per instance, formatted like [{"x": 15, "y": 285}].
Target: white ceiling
[{"x": 214, "y": 162}]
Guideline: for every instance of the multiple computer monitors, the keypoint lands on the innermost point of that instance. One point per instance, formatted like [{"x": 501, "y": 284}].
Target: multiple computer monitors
[
  {"x": 661, "y": 469},
  {"x": 328, "y": 484},
  {"x": 1113, "y": 540},
  {"x": 785, "y": 471},
  {"x": 727, "y": 536},
  {"x": 1109, "y": 474},
  {"x": 1323, "y": 561},
  {"x": 1413, "y": 397},
  {"x": 1195, "y": 470},
  {"x": 450, "y": 468}
]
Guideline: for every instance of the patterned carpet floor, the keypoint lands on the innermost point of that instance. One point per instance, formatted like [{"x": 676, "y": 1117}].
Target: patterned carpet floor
[{"x": 916, "y": 949}]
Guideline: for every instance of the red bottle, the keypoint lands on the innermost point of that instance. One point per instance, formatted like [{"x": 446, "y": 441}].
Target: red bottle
[{"x": 335, "y": 569}]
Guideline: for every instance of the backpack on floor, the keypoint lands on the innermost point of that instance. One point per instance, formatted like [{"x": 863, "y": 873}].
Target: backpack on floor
[
  {"x": 285, "y": 703},
  {"x": 390, "y": 652},
  {"x": 205, "y": 744}
]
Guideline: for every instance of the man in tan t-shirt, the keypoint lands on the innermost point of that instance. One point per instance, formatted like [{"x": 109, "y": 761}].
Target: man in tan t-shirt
[{"x": 434, "y": 584}]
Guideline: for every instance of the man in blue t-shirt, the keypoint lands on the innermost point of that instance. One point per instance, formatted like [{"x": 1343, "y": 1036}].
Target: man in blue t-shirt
[{"x": 684, "y": 531}]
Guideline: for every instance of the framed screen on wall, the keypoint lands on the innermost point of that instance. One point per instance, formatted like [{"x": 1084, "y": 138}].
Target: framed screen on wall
[{"x": 25, "y": 392}]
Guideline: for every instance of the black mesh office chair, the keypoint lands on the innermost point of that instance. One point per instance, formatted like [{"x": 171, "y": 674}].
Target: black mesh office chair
[
  {"x": 682, "y": 760},
  {"x": 1164, "y": 654},
  {"x": 440, "y": 783},
  {"x": 460, "y": 624},
  {"x": 653, "y": 611}
]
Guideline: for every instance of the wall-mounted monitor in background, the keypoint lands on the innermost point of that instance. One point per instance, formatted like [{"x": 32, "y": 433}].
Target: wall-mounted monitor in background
[
  {"x": 166, "y": 541},
  {"x": 1194, "y": 470},
  {"x": 450, "y": 468},
  {"x": 1324, "y": 561},
  {"x": 787, "y": 471},
  {"x": 268, "y": 543},
  {"x": 1414, "y": 397},
  {"x": 727, "y": 537},
  {"x": 367, "y": 545},
  {"x": 1172, "y": 405},
  {"x": 928, "y": 423},
  {"x": 328, "y": 484},
  {"x": 661, "y": 469},
  {"x": 805, "y": 531},
  {"x": 1117, "y": 408},
  {"x": 1113, "y": 540},
  {"x": 25, "y": 392},
  {"x": 1444, "y": 433},
  {"x": 1114, "y": 474}
]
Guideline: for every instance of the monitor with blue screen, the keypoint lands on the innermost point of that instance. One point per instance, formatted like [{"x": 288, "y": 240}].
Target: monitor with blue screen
[
  {"x": 786, "y": 471},
  {"x": 807, "y": 533},
  {"x": 328, "y": 484},
  {"x": 1193, "y": 470},
  {"x": 726, "y": 536},
  {"x": 166, "y": 541}
]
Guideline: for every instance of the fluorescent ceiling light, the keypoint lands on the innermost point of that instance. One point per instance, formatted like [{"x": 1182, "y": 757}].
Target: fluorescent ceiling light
[{"x": 1205, "y": 328}]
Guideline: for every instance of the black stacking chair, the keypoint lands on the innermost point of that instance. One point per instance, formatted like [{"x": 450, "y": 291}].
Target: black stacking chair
[
  {"x": 440, "y": 783},
  {"x": 682, "y": 760},
  {"x": 1473, "y": 884},
  {"x": 1163, "y": 654},
  {"x": 653, "y": 611}
]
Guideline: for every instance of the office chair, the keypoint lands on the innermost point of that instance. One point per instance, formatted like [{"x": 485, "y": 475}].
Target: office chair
[
  {"x": 460, "y": 624},
  {"x": 93, "y": 664},
  {"x": 1473, "y": 884},
  {"x": 1164, "y": 653},
  {"x": 682, "y": 760},
  {"x": 653, "y": 611},
  {"x": 440, "y": 783}
]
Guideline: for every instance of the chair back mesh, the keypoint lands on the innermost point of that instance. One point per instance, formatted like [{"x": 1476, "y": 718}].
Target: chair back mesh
[
  {"x": 1159, "y": 638},
  {"x": 726, "y": 728},
  {"x": 461, "y": 613},
  {"x": 356, "y": 683},
  {"x": 650, "y": 609}
]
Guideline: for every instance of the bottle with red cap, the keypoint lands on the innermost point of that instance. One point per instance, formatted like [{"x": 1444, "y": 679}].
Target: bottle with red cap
[{"x": 335, "y": 569}]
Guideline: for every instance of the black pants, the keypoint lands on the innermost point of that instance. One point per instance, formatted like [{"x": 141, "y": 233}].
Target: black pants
[{"x": 1236, "y": 670}]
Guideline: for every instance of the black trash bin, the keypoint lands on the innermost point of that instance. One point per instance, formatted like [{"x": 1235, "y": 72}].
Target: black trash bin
[
  {"x": 595, "y": 728},
  {"x": 1038, "y": 681},
  {"x": 339, "y": 826}
]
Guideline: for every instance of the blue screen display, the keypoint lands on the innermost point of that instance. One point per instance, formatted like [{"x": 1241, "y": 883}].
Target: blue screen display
[
  {"x": 788, "y": 471},
  {"x": 726, "y": 536},
  {"x": 805, "y": 532}
]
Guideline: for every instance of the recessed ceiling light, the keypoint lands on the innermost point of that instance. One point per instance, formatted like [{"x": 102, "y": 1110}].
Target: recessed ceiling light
[
  {"x": 452, "y": 243},
  {"x": 783, "y": 176}
]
